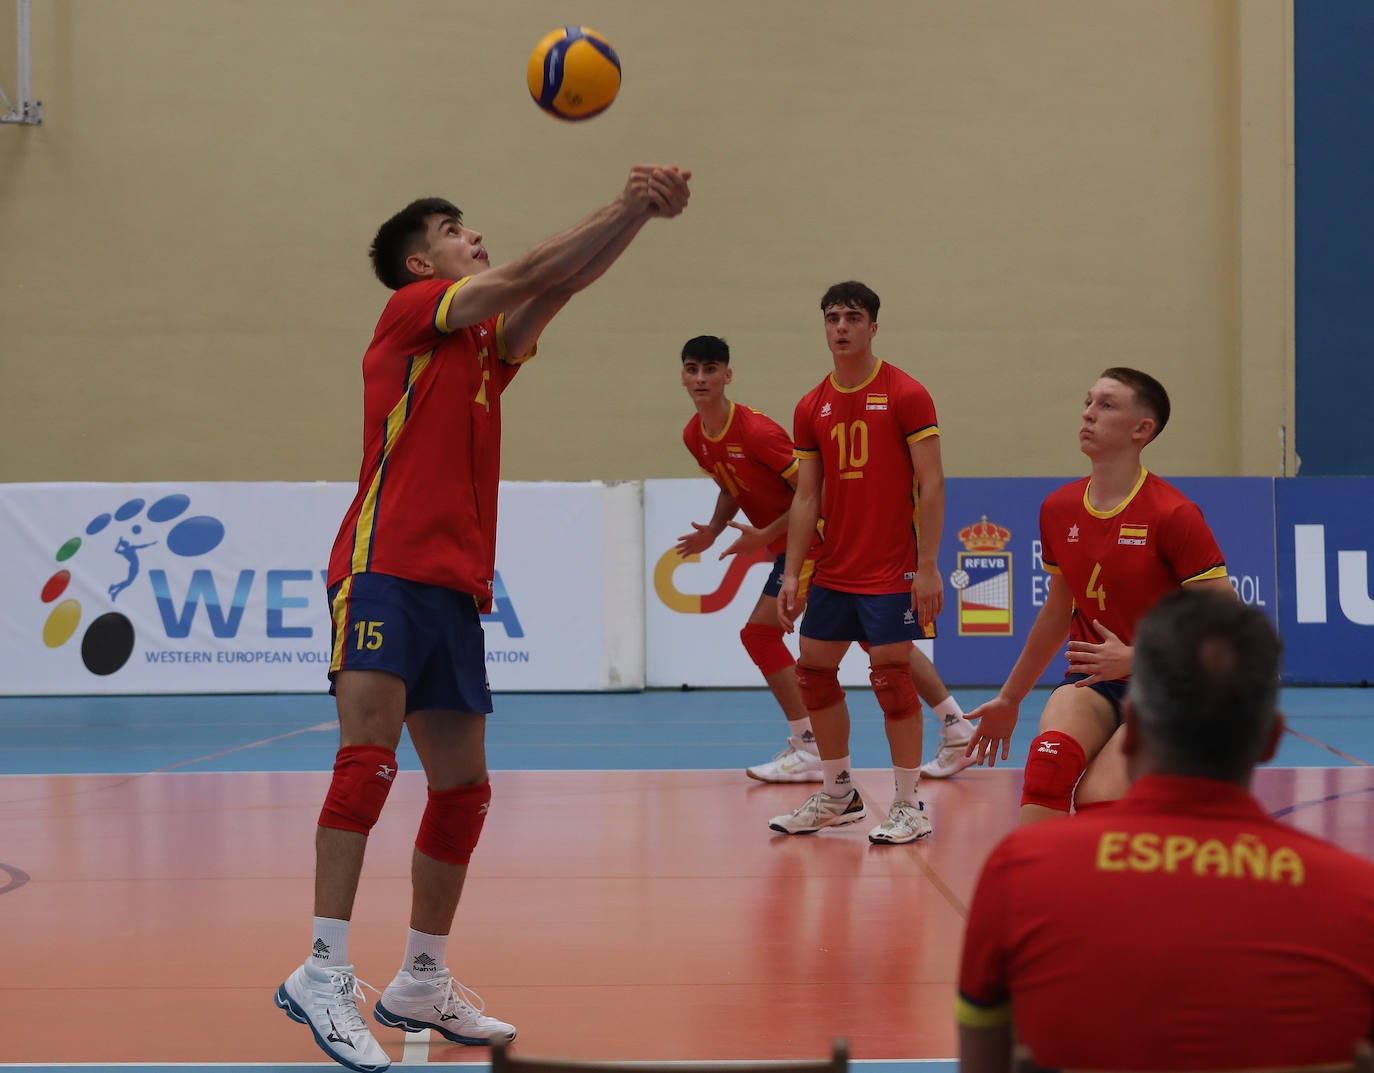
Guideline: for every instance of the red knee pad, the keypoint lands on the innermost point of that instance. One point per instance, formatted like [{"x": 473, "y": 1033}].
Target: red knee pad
[
  {"x": 363, "y": 775},
  {"x": 820, "y": 688},
  {"x": 765, "y": 647},
  {"x": 1055, "y": 764},
  {"x": 452, "y": 823},
  {"x": 895, "y": 690}
]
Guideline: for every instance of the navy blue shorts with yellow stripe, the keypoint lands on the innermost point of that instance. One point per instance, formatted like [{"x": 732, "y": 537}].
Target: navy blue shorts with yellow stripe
[
  {"x": 882, "y": 619},
  {"x": 773, "y": 585},
  {"x": 428, "y": 636}
]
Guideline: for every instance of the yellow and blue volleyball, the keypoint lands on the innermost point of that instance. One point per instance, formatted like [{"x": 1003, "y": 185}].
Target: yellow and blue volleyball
[{"x": 573, "y": 73}]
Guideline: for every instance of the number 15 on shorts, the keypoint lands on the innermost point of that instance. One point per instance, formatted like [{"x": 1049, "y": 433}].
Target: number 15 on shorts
[{"x": 367, "y": 636}]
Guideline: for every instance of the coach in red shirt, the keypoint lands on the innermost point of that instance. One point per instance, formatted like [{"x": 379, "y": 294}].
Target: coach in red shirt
[{"x": 1181, "y": 928}]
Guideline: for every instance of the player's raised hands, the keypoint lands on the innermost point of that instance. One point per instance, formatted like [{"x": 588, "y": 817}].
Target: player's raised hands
[
  {"x": 658, "y": 190},
  {"x": 996, "y": 720}
]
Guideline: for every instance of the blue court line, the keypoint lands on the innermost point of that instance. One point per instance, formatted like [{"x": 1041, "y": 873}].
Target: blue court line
[{"x": 652, "y": 731}]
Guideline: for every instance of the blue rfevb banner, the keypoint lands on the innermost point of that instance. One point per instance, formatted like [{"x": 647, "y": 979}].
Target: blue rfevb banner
[
  {"x": 1325, "y": 530},
  {"x": 995, "y": 581}
]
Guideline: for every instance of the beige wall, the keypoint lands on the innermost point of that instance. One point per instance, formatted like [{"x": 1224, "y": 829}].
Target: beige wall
[{"x": 1036, "y": 190}]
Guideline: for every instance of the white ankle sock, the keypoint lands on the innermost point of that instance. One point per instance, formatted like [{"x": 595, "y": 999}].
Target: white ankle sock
[
  {"x": 425, "y": 955},
  {"x": 329, "y": 943},
  {"x": 802, "y": 737},
  {"x": 953, "y": 725},
  {"x": 838, "y": 780},
  {"x": 906, "y": 781}
]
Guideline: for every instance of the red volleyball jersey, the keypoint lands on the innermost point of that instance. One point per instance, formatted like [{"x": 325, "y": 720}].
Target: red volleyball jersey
[
  {"x": 1120, "y": 563},
  {"x": 1182, "y": 928},
  {"x": 751, "y": 460},
  {"x": 862, "y": 435},
  {"x": 425, "y": 509}
]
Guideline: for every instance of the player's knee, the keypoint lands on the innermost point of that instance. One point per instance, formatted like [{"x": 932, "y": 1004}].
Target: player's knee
[
  {"x": 1053, "y": 768},
  {"x": 895, "y": 690},
  {"x": 452, "y": 823},
  {"x": 363, "y": 776},
  {"x": 820, "y": 687},
  {"x": 765, "y": 646}
]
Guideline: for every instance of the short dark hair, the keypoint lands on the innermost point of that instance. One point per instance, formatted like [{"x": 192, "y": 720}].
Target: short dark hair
[
  {"x": 402, "y": 235},
  {"x": 852, "y": 294},
  {"x": 706, "y": 348},
  {"x": 1149, "y": 392},
  {"x": 1205, "y": 683}
]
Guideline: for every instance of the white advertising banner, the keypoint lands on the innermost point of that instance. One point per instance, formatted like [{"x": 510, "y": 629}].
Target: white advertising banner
[
  {"x": 695, "y": 607},
  {"x": 219, "y": 588}
]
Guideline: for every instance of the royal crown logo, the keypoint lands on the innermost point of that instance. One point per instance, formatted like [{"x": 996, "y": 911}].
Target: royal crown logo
[
  {"x": 984, "y": 536},
  {"x": 982, "y": 577}
]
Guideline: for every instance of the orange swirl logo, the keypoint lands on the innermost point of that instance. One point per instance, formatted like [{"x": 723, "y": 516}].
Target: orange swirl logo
[{"x": 692, "y": 604}]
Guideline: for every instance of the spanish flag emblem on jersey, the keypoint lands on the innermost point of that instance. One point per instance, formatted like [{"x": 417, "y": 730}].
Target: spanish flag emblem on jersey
[
  {"x": 1132, "y": 534},
  {"x": 876, "y": 402}
]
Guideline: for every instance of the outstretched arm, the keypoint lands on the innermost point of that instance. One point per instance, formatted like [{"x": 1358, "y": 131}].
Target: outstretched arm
[
  {"x": 556, "y": 259},
  {"x": 667, "y": 193}
]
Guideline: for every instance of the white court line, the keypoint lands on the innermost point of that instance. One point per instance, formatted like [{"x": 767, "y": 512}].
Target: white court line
[{"x": 416, "y": 1050}]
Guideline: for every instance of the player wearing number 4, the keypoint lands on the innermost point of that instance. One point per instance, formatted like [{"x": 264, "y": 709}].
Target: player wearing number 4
[
  {"x": 869, "y": 464},
  {"x": 412, "y": 570},
  {"x": 1114, "y": 544}
]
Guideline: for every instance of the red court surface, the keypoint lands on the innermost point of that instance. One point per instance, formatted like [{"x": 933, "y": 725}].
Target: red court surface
[{"x": 616, "y": 915}]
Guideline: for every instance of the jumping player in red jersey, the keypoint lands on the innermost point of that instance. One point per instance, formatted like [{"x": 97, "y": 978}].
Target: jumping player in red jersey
[
  {"x": 1184, "y": 927},
  {"x": 870, "y": 472},
  {"x": 411, "y": 571},
  {"x": 1113, "y": 544},
  {"x": 750, "y": 458}
]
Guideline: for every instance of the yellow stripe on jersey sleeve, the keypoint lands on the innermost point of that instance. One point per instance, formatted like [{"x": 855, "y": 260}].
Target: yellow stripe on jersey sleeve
[
  {"x": 502, "y": 353},
  {"x": 791, "y": 470},
  {"x": 395, "y": 421},
  {"x": 923, "y": 434},
  {"x": 971, "y": 1015},
  {"x": 805, "y": 454},
  {"x": 1216, "y": 573},
  {"x": 441, "y": 310},
  {"x": 1049, "y": 568}
]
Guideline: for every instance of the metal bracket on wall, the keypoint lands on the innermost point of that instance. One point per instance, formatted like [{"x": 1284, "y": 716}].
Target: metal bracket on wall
[{"x": 28, "y": 111}]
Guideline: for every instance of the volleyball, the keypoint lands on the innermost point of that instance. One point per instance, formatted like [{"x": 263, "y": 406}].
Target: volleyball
[{"x": 573, "y": 73}]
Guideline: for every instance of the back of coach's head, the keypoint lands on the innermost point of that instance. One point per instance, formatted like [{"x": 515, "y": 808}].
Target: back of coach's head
[{"x": 1204, "y": 689}]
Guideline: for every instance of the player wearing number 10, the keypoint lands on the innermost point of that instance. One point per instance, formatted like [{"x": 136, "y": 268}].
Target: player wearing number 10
[{"x": 868, "y": 448}]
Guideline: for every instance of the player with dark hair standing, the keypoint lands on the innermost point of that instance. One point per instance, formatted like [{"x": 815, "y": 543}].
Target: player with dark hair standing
[
  {"x": 750, "y": 458},
  {"x": 410, "y": 574},
  {"x": 870, "y": 472}
]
